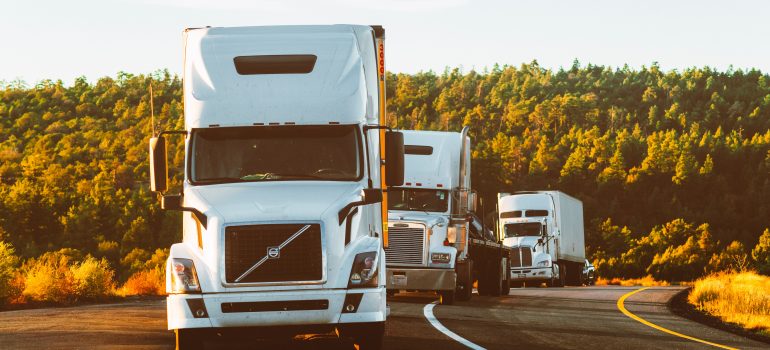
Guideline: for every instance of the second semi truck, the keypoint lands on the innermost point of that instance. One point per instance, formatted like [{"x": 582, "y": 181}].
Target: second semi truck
[{"x": 437, "y": 242}]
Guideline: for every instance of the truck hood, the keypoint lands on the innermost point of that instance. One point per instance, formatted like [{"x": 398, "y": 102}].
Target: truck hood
[
  {"x": 416, "y": 216},
  {"x": 273, "y": 201},
  {"x": 529, "y": 241}
]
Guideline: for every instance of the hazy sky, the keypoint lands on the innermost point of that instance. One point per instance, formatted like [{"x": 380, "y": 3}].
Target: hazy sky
[{"x": 63, "y": 39}]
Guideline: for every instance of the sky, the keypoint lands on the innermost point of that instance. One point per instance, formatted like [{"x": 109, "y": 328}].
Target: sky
[{"x": 65, "y": 39}]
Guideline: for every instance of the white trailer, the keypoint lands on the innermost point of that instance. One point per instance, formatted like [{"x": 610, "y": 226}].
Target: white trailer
[
  {"x": 545, "y": 229},
  {"x": 286, "y": 161},
  {"x": 437, "y": 242}
]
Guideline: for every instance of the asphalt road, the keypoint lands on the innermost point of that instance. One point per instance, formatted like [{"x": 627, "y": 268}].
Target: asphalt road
[{"x": 529, "y": 318}]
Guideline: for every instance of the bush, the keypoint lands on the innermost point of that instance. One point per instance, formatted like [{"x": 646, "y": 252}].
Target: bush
[
  {"x": 741, "y": 298},
  {"x": 149, "y": 277},
  {"x": 761, "y": 253},
  {"x": 93, "y": 278},
  {"x": 49, "y": 278},
  {"x": 8, "y": 265},
  {"x": 147, "y": 282},
  {"x": 62, "y": 277}
]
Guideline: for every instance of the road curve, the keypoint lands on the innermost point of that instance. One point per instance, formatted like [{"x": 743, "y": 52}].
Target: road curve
[{"x": 528, "y": 318}]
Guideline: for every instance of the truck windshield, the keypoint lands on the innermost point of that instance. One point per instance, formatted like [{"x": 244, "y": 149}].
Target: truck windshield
[
  {"x": 522, "y": 229},
  {"x": 274, "y": 153},
  {"x": 418, "y": 199}
]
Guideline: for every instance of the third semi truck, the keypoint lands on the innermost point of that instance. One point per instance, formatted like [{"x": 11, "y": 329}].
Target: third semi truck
[{"x": 545, "y": 229}]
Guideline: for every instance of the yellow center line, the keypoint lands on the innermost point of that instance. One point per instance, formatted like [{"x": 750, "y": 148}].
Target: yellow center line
[{"x": 623, "y": 309}]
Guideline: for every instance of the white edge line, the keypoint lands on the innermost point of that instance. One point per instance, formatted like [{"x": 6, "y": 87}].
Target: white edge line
[{"x": 428, "y": 312}]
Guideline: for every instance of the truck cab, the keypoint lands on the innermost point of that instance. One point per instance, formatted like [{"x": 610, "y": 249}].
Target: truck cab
[{"x": 282, "y": 197}]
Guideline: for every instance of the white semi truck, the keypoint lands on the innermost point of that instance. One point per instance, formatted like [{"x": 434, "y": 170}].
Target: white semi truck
[
  {"x": 286, "y": 161},
  {"x": 545, "y": 229},
  {"x": 437, "y": 242}
]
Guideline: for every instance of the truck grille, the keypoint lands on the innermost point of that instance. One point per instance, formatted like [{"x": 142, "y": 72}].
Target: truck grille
[
  {"x": 298, "y": 260},
  {"x": 521, "y": 257},
  {"x": 405, "y": 246}
]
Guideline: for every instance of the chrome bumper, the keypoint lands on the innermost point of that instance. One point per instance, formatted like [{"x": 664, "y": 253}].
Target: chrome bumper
[
  {"x": 420, "y": 279},
  {"x": 531, "y": 273}
]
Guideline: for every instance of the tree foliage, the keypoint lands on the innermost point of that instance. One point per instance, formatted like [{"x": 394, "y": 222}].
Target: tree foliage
[{"x": 649, "y": 152}]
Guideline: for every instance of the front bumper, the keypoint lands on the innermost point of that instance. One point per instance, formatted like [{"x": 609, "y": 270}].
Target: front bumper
[
  {"x": 531, "y": 273},
  {"x": 421, "y": 279},
  {"x": 286, "y": 308}
]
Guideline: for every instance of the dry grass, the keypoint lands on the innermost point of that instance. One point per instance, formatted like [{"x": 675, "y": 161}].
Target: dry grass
[
  {"x": 147, "y": 282},
  {"x": 740, "y": 298},
  {"x": 647, "y": 281}
]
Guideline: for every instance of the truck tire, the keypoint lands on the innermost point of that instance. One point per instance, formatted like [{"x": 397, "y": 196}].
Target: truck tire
[
  {"x": 574, "y": 274},
  {"x": 496, "y": 279},
  {"x": 447, "y": 297},
  {"x": 187, "y": 339},
  {"x": 506, "y": 276},
  {"x": 368, "y": 336},
  {"x": 562, "y": 274},
  {"x": 483, "y": 276},
  {"x": 464, "y": 281},
  {"x": 517, "y": 284}
]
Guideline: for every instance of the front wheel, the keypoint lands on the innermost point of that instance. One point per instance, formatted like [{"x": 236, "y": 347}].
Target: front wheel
[
  {"x": 368, "y": 336},
  {"x": 187, "y": 339}
]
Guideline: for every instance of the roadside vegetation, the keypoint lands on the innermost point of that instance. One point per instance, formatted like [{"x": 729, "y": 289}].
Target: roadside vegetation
[
  {"x": 740, "y": 298},
  {"x": 65, "y": 277},
  {"x": 671, "y": 166},
  {"x": 647, "y": 281}
]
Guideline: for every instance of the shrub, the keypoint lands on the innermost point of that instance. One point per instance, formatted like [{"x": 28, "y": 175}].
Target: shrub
[
  {"x": 49, "y": 278},
  {"x": 8, "y": 265},
  {"x": 761, "y": 253},
  {"x": 147, "y": 282},
  {"x": 741, "y": 298},
  {"x": 93, "y": 278}
]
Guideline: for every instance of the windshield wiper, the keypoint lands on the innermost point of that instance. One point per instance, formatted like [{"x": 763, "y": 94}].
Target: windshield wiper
[
  {"x": 219, "y": 179},
  {"x": 272, "y": 176}
]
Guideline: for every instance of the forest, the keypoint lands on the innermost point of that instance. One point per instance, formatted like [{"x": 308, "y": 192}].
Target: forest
[{"x": 673, "y": 167}]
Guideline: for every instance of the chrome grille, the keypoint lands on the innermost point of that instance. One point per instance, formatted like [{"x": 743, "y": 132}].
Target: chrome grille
[
  {"x": 521, "y": 257},
  {"x": 406, "y": 245}
]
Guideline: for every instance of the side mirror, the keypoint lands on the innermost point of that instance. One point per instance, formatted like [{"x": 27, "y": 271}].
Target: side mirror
[
  {"x": 171, "y": 202},
  {"x": 394, "y": 158},
  {"x": 372, "y": 195},
  {"x": 473, "y": 202},
  {"x": 451, "y": 234},
  {"x": 158, "y": 167},
  {"x": 540, "y": 241}
]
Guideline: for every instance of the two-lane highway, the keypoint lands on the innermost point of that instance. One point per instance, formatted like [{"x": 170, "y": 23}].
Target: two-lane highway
[{"x": 528, "y": 318}]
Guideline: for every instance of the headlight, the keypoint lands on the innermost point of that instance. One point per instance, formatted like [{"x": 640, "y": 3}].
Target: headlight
[
  {"x": 364, "y": 271},
  {"x": 184, "y": 279},
  {"x": 441, "y": 258},
  {"x": 544, "y": 263}
]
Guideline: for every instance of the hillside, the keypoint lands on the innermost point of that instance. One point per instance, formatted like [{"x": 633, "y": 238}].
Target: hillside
[{"x": 673, "y": 167}]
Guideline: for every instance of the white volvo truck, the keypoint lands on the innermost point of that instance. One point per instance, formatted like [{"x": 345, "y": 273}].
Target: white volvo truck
[
  {"x": 286, "y": 160},
  {"x": 545, "y": 229},
  {"x": 437, "y": 242}
]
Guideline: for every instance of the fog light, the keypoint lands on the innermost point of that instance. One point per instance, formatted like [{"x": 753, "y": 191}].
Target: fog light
[
  {"x": 200, "y": 313},
  {"x": 350, "y": 308}
]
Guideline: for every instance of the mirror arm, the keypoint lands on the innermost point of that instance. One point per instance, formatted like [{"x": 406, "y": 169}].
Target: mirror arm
[
  {"x": 378, "y": 127},
  {"x": 343, "y": 213},
  {"x": 198, "y": 215}
]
